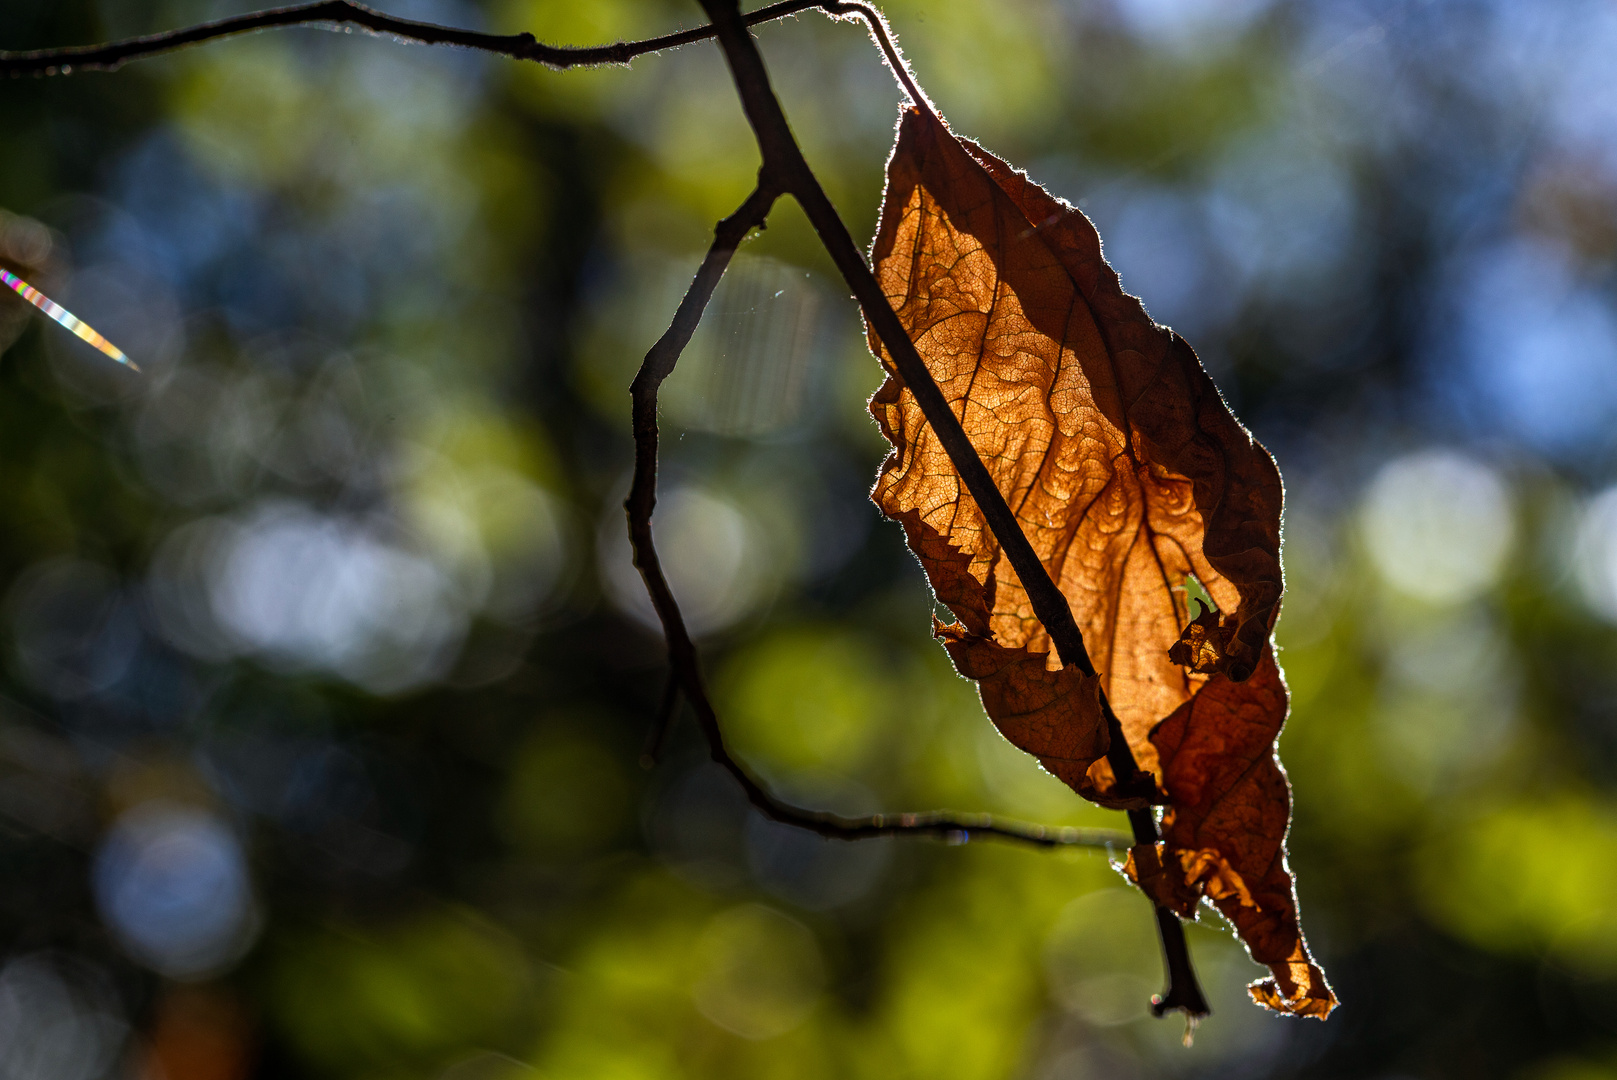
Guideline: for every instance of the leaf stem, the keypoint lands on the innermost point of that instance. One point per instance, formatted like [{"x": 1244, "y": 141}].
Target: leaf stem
[{"x": 877, "y": 23}]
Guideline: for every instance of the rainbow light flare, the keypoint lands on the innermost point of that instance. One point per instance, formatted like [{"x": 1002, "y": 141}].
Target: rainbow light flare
[{"x": 65, "y": 317}]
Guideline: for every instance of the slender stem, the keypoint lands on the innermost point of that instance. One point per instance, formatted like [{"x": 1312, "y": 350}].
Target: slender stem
[
  {"x": 784, "y": 161},
  {"x": 334, "y": 13},
  {"x": 1184, "y": 990},
  {"x": 884, "y": 39}
]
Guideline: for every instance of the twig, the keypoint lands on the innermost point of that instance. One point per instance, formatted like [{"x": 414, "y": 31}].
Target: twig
[
  {"x": 883, "y": 37},
  {"x": 333, "y": 13},
  {"x": 783, "y": 160},
  {"x": 685, "y": 665},
  {"x": 789, "y": 173},
  {"x": 1184, "y": 990}
]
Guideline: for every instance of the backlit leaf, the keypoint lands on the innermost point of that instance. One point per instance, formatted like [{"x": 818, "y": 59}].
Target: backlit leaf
[{"x": 1129, "y": 476}]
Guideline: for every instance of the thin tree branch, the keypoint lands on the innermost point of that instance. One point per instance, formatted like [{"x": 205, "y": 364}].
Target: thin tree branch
[
  {"x": 332, "y": 14},
  {"x": 783, "y": 160},
  {"x": 790, "y": 173},
  {"x": 686, "y": 669},
  {"x": 1184, "y": 989}
]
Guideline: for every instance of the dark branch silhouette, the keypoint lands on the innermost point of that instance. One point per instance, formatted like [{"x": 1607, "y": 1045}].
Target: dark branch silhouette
[
  {"x": 784, "y": 163},
  {"x": 784, "y": 171},
  {"x": 344, "y": 13},
  {"x": 682, "y": 655}
]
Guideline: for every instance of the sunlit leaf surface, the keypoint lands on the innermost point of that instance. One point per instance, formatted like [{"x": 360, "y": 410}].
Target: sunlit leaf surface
[{"x": 1130, "y": 477}]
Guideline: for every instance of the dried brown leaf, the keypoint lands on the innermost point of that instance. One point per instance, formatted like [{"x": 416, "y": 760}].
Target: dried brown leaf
[
  {"x": 1053, "y": 714},
  {"x": 1128, "y": 475},
  {"x": 1224, "y": 832}
]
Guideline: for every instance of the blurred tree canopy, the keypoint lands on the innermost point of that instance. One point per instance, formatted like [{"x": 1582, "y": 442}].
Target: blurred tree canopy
[{"x": 325, "y": 670}]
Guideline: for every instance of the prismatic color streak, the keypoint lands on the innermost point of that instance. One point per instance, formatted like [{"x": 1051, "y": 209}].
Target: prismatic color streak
[{"x": 64, "y": 316}]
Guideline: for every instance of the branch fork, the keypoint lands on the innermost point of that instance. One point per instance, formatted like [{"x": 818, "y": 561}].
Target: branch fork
[{"x": 784, "y": 172}]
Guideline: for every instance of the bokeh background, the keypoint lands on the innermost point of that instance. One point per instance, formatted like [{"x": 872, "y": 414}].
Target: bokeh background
[{"x": 325, "y": 672}]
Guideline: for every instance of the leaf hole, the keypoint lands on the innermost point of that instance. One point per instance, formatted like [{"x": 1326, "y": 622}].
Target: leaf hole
[{"x": 1194, "y": 590}]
